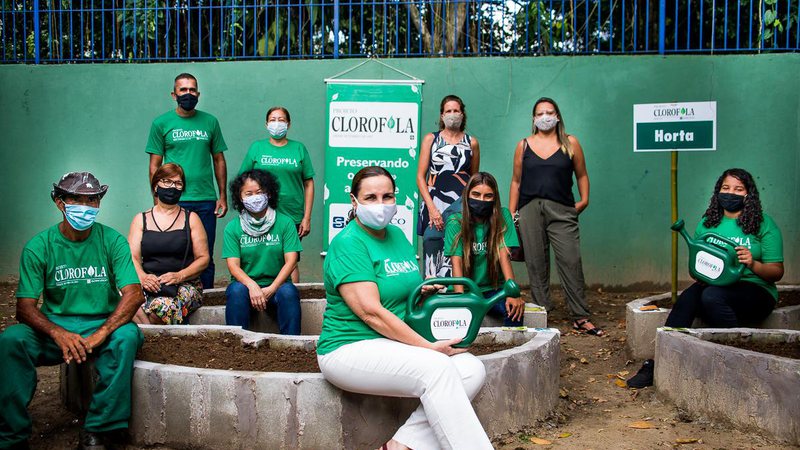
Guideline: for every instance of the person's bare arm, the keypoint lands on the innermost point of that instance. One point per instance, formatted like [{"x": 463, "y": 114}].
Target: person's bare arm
[
  {"x": 579, "y": 162},
  {"x": 72, "y": 345},
  {"x": 422, "y": 185},
  {"x": 148, "y": 281},
  {"x": 130, "y": 302},
  {"x": 290, "y": 261},
  {"x": 516, "y": 177},
  {"x": 155, "y": 163},
  {"x": 458, "y": 271},
  {"x": 363, "y": 299},
  {"x": 475, "y": 164},
  {"x": 221, "y": 174},
  {"x": 515, "y": 307},
  {"x": 308, "y": 194}
]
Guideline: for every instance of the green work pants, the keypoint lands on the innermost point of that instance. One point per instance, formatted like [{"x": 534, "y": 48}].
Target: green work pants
[{"x": 22, "y": 350}]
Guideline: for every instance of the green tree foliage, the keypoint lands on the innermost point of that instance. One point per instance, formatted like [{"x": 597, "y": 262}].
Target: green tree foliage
[{"x": 124, "y": 30}]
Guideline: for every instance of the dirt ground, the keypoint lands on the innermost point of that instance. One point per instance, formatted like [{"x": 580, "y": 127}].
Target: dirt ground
[{"x": 595, "y": 410}]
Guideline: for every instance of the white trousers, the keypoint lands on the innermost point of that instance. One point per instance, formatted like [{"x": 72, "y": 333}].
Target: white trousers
[{"x": 445, "y": 385}]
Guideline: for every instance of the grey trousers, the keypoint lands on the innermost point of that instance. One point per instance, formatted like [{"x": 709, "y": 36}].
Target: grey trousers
[{"x": 542, "y": 223}]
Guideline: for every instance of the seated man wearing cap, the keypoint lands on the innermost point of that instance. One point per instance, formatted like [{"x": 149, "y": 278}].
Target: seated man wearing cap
[{"x": 79, "y": 268}]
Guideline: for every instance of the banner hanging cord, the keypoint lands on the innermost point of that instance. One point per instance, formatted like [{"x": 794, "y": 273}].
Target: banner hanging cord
[{"x": 373, "y": 59}]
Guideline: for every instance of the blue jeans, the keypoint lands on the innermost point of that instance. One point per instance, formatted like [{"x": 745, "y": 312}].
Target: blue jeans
[
  {"x": 499, "y": 310},
  {"x": 205, "y": 209},
  {"x": 286, "y": 300}
]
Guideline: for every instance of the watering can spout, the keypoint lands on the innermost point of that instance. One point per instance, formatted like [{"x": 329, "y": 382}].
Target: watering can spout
[
  {"x": 681, "y": 229},
  {"x": 510, "y": 289}
]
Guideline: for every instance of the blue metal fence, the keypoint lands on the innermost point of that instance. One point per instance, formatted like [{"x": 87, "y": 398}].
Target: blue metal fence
[{"x": 65, "y": 31}]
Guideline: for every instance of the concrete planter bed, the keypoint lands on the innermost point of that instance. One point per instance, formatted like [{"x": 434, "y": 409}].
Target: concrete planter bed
[
  {"x": 754, "y": 391},
  {"x": 641, "y": 326},
  {"x": 186, "y": 407}
]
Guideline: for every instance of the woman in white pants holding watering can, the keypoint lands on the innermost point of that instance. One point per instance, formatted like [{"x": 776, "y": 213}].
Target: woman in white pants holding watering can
[
  {"x": 366, "y": 347},
  {"x": 541, "y": 195}
]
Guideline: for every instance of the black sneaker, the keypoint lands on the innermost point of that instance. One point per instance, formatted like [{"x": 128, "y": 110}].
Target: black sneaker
[
  {"x": 644, "y": 377},
  {"x": 91, "y": 441}
]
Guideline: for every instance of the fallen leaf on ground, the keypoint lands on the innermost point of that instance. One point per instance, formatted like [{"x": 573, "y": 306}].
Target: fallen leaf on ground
[
  {"x": 564, "y": 435},
  {"x": 686, "y": 441},
  {"x": 620, "y": 383},
  {"x": 641, "y": 425},
  {"x": 563, "y": 393},
  {"x": 539, "y": 441},
  {"x": 584, "y": 361},
  {"x": 623, "y": 373},
  {"x": 592, "y": 380}
]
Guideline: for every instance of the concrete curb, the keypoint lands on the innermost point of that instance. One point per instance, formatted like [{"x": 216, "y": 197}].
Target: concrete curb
[
  {"x": 313, "y": 309},
  {"x": 202, "y": 408},
  {"x": 754, "y": 391},
  {"x": 640, "y": 326}
]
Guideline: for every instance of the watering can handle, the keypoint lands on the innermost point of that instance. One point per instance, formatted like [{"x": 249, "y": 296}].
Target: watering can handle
[{"x": 466, "y": 282}]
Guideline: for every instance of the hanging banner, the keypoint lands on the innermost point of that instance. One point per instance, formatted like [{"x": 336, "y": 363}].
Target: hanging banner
[{"x": 371, "y": 123}]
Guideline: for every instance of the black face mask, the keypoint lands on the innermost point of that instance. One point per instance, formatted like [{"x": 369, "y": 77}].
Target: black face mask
[
  {"x": 169, "y": 196},
  {"x": 730, "y": 202},
  {"x": 480, "y": 208},
  {"x": 187, "y": 101}
]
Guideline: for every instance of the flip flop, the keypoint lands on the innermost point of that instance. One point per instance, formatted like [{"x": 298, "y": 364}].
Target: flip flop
[{"x": 581, "y": 325}]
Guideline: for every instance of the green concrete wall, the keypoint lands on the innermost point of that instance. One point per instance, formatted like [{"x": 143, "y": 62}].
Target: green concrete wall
[{"x": 96, "y": 117}]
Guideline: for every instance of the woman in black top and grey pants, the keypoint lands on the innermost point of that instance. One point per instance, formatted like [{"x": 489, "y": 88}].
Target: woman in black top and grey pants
[{"x": 541, "y": 197}]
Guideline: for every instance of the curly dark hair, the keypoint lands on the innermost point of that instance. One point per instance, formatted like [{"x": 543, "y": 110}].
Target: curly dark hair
[
  {"x": 267, "y": 181},
  {"x": 751, "y": 217}
]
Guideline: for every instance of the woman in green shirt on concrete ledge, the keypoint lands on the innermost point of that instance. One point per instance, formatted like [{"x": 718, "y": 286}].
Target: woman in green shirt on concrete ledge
[
  {"x": 734, "y": 212},
  {"x": 261, "y": 249},
  {"x": 477, "y": 240},
  {"x": 289, "y": 162},
  {"x": 366, "y": 347}
]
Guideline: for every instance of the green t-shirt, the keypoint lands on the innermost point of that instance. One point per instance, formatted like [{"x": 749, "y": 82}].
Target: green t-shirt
[
  {"x": 189, "y": 142},
  {"x": 354, "y": 255},
  {"x": 261, "y": 257},
  {"x": 77, "y": 278},
  {"x": 766, "y": 246},
  {"x": 290, "y": 164},
  {"x": 480, "y": 269}
]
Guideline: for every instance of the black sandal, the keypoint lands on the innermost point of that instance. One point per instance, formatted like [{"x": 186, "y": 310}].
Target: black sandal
[{"x": 585, "y": 326}]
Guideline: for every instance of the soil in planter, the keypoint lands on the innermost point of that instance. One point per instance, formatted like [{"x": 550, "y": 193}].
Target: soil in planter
[
  {"x": 784, "y": 349},
  {"x": 788, "y": 298},
  {"x": 305, "y": 293},
  {"x": 227, "y": 353}
]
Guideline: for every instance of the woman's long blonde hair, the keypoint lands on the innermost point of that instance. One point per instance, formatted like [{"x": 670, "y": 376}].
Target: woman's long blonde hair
[{"x": 561, "y": 132}]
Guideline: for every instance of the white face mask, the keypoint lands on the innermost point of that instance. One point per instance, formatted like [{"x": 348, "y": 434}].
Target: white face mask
[
  {"x": 452, "y": 121},
  {"x": 277, "y": 129},
  {"x": 255, "y": 203},
  {"x": 376, "y": 216},
  {"x": 545, "y": 122}
]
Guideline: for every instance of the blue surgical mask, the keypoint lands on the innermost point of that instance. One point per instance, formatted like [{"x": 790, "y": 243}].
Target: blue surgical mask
[
  {"x": 80, "y": 217},
  {"x": 277, "y": 129}
]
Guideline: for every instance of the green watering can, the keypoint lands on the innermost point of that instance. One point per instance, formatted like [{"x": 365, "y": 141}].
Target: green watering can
[
  {"x": 453, "y": 315},
  {"x": 712, "y": 258}
]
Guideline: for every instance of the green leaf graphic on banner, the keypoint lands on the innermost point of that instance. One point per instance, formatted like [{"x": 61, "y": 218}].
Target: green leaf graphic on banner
[{"x": 390, "y": 123}]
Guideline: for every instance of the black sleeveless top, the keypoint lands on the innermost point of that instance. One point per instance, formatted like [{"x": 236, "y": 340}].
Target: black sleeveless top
[
  {"x": 166, "y": 250},
  {"x": 549, "y": 178}
]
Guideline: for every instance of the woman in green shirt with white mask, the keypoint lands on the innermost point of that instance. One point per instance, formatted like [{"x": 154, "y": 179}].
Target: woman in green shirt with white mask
[{"x": 366, "y": 347}]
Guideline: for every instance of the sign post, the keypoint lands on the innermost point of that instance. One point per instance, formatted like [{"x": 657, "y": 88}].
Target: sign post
[
  {"x": 674, "y": 127},
  {"x": 371, "y": 123}
]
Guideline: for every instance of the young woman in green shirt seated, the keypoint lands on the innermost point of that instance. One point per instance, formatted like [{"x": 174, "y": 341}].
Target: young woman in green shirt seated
[
  {"x": 734, "y": 212},
  {"x": 261, "y": 249},
  {"x": 477, "y": 240},
  {"x": 366, "y": 347}
]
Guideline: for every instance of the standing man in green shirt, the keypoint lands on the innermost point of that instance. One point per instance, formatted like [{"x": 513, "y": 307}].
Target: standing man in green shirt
[
  {"x": 78, "y": 268},
  {"x": 193, "y": 139}
]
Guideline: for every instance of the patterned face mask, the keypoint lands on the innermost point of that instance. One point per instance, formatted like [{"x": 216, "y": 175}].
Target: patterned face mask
[
  {"x": 452, "y": 121},
  {"x": 545, "y": 122}
]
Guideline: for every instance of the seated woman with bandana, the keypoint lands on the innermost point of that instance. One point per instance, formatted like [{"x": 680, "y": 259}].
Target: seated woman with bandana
[
  {"x": 261, "y": 249},
  {"x": 169, "y": 249}
]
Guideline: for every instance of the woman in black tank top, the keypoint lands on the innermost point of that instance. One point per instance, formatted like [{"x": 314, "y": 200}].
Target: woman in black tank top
[
  {"x": 169, "y": 250},
  {"x": 542, "y": 200}
]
